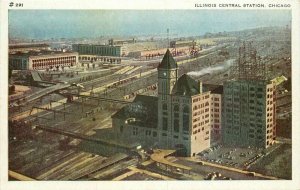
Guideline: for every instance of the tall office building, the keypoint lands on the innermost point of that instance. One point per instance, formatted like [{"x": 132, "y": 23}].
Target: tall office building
[{"x": 249, "y": 104}]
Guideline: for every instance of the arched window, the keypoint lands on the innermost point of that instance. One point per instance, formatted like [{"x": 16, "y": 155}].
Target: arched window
[
  {"x": 186, "y": 109},
  {"x": 165, "y": 106},
  {"x": 176, "y": 108},
  {"x": 186, "y": 119}
]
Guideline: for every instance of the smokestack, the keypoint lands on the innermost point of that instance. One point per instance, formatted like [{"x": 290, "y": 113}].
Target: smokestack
[{"x": 200, "y": 87}]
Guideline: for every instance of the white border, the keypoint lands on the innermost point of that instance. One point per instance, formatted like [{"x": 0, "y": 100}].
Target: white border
[{"x": 147, "y": 185}]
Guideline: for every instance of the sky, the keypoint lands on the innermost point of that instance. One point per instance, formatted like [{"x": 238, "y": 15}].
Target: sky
[{"x": 46, "y": 24}]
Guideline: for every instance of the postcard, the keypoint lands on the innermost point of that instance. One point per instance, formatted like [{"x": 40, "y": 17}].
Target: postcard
[{"x": 149, "y": 94}]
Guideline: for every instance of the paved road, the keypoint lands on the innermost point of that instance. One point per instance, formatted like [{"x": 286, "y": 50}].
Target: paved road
[{"x": 205, "y": 169}]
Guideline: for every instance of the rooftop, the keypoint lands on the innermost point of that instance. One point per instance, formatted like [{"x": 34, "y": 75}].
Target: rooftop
[
  {"x": 143, "y": 109},
  {"x": 168, "y": 62},
  {"x": 213, "y": 88},
  {"x": 38, "y": 53},
  {"x": 186, "y": 86},
  {"x": 100, "y": 45}
]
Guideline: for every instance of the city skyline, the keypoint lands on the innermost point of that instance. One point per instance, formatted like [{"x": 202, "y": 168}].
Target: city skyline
[{"x": 181, "y": 23}]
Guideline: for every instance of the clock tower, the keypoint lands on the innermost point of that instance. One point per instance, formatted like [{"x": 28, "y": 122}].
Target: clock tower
[{"x": 167, "y": 77}]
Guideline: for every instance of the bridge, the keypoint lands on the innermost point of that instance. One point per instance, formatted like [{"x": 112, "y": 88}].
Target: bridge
[{"x": 43, "y": 92}]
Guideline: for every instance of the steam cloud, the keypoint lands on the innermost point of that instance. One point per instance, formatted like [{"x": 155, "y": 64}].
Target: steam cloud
[{"x": 212, "y": 69}]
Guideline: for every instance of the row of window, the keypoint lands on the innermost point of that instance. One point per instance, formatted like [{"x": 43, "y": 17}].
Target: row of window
[
  {"x": 52, "y": 64},
  {"x": 199, "y": 130},
  {"x": 73, "y": 58},
  {"x": 201, "y": 106},
  {"x": 200, "y": 98},
  {"x": 200, "y": 123},
  {"x": 135, "y": 132},
  {"x": 176, "y": 108},
  {"x": 185, "y": 126}
]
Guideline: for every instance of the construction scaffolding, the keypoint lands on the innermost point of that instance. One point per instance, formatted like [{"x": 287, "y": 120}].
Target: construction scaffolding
[{"x": 249, "y": 65}]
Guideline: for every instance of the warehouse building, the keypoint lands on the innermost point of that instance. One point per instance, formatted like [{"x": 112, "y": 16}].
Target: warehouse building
[
  {"x": 96, "y": 49},
  {"x": 42, "y": 60},
  {"x": 27, "y": 47},
  {"x": 179, "y": 118}
]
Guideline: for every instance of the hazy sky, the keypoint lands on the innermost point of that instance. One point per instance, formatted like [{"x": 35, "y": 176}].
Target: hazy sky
[{"x": 43, "y": 24}]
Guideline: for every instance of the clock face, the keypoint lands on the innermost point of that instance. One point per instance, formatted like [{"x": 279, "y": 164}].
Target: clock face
[
  {"x": 164, "y": 74},
  {"x": 173, "y": 74}
]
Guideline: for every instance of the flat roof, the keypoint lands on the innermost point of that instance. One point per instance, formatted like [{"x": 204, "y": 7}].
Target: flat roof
[
  {"x": 38, "y": 53},
  {"x": 213, "y": 88},
  {"x": 96, "y": 45}
]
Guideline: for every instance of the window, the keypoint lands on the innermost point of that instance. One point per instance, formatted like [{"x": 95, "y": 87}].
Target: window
[
  {"x": 176, "y": 125},
  {"x": 154, "y": 134},
  {"x": 148, "y": 132},
  {"x": 165, "y": 106},
  {"x": 185, "y": 118},
  {"x": 164, "y": 134},
  {"x": 121, "y": 128},
  {"x": 135, "y": 131},
  {"x": 165, "y": 123},
  {"x": 176, "y": 108}
]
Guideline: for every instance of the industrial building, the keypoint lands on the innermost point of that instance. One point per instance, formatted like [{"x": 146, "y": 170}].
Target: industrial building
[
  {"x": 177, "y": 44},
  {"x": 113, "y": 42},
  {"x": 42, "y": 60},
  {"x": 249, "y": 104},
  {"x": 179, "y": 118},
  {"x": 96, "y": 49},
  {"x": 27, "y": 47}
]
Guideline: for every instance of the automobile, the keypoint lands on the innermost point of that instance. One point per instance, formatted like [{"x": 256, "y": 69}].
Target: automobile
[
  {"x": 218, "y": 174},
  {"x": 251, "y": 174},
  {"x": 227, "y": 178},
  {"x": 201, "y": 163}
]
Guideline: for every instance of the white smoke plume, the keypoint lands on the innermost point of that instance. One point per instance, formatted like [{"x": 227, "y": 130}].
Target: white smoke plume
[{"x": 213, "y": 69}]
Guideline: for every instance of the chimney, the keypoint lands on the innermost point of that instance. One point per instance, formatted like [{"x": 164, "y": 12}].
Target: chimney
[{"x": 200, "y": 87}]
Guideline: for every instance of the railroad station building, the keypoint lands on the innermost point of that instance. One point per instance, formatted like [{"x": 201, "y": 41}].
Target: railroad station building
[{"x": 178, "y": 118}]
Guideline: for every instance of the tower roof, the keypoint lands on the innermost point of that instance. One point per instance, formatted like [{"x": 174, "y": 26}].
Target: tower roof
[
  {"x": 168, "y": 61},
  {"x": 186, "y": 86}
]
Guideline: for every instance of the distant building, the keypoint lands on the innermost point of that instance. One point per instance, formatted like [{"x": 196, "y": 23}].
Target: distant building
[
  {"x": 179, "y": 118},
  {"x": 113, "y": 42},
  {"x": 177, "y": 44},
  {"x": 249, "y": 113},
  {"x": 42, "y": 60},
  {"x": 95, "y": 49},
  {"x": 27, "y": 47}
]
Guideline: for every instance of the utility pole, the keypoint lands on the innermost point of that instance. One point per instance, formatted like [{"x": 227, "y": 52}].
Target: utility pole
[{"x": 168, "y": 38}]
